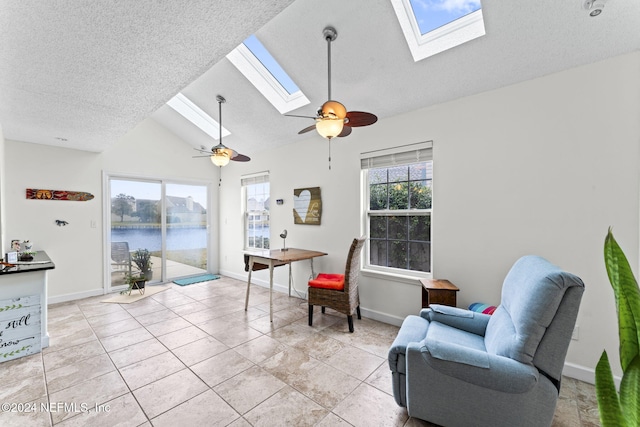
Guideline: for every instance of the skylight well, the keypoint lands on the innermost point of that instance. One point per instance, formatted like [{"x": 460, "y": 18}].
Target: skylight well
[
  {"x": 433, "y": 26},
  {"x": 190, "y": 111},
  {"x": 255, "y": 62}
]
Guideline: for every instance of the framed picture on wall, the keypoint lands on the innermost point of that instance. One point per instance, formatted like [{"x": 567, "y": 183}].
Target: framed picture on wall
[{"x": 307, "y": 206}]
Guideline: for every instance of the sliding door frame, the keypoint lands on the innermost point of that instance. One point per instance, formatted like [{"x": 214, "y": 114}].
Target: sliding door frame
[{"x": 163, "y": 181}]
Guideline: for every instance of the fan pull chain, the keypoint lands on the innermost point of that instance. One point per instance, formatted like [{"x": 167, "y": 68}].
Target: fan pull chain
[{"x": 329, "y": 153}]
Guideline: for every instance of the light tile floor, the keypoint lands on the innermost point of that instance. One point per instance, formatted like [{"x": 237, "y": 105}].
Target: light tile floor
[{"x": 192, "y": 356}]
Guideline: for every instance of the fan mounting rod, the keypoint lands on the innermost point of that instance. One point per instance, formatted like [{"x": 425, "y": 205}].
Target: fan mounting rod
[
  {"x": 330, "y": 34},
  {"x": 220, "y": 100}
]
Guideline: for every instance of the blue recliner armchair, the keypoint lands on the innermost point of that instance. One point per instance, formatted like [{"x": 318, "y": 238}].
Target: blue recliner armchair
[{"x": 456, "y": 367}]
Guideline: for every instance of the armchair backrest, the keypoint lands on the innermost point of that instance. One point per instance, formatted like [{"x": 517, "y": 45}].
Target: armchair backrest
[
  {"x": 536, "y": 316},
  {"x": 352, "y": 268},
  {"x": 120, "y": 252}
]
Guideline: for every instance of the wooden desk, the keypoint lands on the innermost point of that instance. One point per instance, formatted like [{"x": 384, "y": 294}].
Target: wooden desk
[
  {"x": 438, "y": 292},
  {"x": 274, "y": 258}
]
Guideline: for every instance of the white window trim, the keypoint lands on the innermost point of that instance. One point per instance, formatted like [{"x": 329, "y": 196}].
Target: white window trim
[
  {"x": 422, "y": 46},
  {"x": 402, "y": 275},
  {"x": 246, "y": 62},
  {"x": 245, "y": 211}
]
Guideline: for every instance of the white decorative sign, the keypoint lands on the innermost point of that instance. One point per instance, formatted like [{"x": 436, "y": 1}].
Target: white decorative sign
[{"x": 20, "y": 327}]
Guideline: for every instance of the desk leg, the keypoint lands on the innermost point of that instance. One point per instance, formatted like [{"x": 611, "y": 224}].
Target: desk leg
[
  {"x": 246, "y": 301},
  {"x": 271, "y": 290},
  {"x": 290, "y": 277},
  {"x": 313, "y": 273}
]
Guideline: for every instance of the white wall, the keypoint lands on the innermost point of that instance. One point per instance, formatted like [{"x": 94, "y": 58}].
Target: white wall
[
  {"x": 543, "y": 167},
  {"x": 2, "y": 169},
  {"x": 77, "y": 249}
]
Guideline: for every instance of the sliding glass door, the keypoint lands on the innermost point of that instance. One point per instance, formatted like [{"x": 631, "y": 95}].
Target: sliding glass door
[
  {"x": 156, "y": 228},
  {"x": 186, "y": 229}
]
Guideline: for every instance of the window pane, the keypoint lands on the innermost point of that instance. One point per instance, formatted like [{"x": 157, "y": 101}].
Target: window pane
[
  {"x": 378, "y": 227},
  {"x": 378, "y": 252},
  {"x": 398, "y": 173},
  {"x": 399, "y": 195},
  {"x": 420, "y": 256},
  {"x": 420, "y": 228},
  {"x": 398, "y": 227},
  {"x": 377, "y": 176},
  {"x": 419, "y": 171},
  {"x": 378, "y": 197},
  {"x": 420, "y": 194},
  {"x": 397, "y": 254}
]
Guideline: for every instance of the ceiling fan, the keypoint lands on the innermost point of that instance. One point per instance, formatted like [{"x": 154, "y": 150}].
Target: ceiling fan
[
  {"x": 220, "y": 154},
  {"x": 332, "y": 118}
]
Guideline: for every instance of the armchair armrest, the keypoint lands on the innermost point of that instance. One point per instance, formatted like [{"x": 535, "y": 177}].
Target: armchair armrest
[
  {"x": 413, "y": 329},
  {"x": 459, "y": 318},
  {"x": 492, "y": 372}
]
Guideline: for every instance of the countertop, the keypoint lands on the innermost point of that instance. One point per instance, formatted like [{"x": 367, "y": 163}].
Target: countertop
[{"x": 41, "y": 261}]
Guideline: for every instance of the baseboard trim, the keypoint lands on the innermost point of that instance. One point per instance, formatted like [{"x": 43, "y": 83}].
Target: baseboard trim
[
  {"x": 381, "y": 317},
  {"x": 71, "y": 297}
]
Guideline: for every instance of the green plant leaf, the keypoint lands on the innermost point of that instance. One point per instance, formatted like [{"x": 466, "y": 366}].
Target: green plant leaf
[
  {"x": 630, "y": 392},
  {"x": 608, "y": 403},
  {"x": 627, "y": 295}
]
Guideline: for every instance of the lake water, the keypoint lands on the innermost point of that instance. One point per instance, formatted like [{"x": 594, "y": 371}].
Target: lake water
[{"x": 151, "y": 238}]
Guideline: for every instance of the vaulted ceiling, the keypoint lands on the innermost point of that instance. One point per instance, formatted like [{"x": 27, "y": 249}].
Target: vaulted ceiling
[{"x": 82, "y": 74}]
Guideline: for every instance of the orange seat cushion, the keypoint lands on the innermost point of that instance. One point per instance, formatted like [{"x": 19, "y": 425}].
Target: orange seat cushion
[{"x": 328, "y": 281}]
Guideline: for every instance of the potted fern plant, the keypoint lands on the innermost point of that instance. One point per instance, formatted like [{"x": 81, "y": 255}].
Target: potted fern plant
[{"x": 621, "y": 408}]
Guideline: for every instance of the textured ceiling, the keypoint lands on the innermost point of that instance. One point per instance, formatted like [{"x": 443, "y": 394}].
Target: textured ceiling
[{"x": 90, "y": 71}]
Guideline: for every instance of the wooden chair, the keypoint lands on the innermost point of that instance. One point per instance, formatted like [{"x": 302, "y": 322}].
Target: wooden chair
[{"x": 339, "y": 291}]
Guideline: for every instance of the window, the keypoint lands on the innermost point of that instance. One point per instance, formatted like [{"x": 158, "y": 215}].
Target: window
[
  {"x": 256, "y": 211},
  {"x": 398, "y": 202}
]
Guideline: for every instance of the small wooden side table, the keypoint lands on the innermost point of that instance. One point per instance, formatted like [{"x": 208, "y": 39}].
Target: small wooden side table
[{"x": 436, "y": 291}]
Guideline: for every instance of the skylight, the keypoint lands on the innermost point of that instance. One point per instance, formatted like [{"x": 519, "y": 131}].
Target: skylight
[
  {"x": 255, "y": 62},
  {"x": 432, "y": 14},
  {"x": 433, "y": 26},
  {"x": 269, "y": 62},
  {"x": 190, "y": 111}
]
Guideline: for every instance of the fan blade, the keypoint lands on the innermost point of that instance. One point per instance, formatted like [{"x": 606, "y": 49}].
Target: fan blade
[
  {"x": 360, "y": 118},
  {"x": 307, "y": 129},
  {"x": 346, "y": 131},
  {"x": 203, "y": 151},
  {"x": 304, "y": 117},
  {"x": 196, "y": 157},
  {"x": 240, "y": 158}
]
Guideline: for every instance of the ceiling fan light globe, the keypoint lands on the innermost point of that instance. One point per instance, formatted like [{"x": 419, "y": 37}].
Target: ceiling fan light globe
[
  {"x": 221, "y": 156},
  {"x": 219, "y": 159},
  {"x": 334, "y": 108},
  {"x": 329, "y": 128}
]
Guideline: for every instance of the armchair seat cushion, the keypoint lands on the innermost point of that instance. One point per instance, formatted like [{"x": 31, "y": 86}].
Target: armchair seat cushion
[{"x": 328, "y": 281}]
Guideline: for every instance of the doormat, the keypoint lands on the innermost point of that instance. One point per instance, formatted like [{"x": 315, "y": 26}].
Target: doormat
[
  {"x": 195, "y": 279},
  {"x": 135, "y": 294}
]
